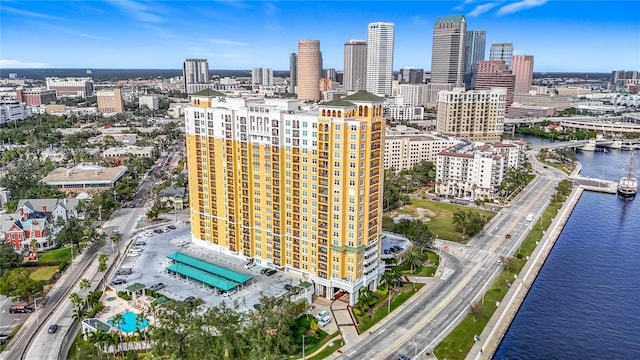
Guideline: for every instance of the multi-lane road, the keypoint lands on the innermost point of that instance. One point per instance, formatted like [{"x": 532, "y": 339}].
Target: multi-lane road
[{"x": 419, "y": 327}]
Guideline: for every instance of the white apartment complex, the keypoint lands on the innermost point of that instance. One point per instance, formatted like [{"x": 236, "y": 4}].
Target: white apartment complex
[
  {"x": 405, "y": 147},
  {"x": 150, "y": 101},
  {"x": 475, "y": 114},
  {"x": 13, "y": 110},
  {"x": 473, "y": 171}
]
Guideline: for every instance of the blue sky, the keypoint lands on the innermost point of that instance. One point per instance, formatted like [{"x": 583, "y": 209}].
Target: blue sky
[{"x": 593, "y": 36}]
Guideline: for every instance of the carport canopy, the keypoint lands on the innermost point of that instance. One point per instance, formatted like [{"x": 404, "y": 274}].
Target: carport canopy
[
  {"x": 203, "y": 277},
  {"x": 210, "y": 268}
]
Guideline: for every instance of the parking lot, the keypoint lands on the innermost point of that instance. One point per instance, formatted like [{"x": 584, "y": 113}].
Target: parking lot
[
  {"x": 149, "y": 268},
  {"x": 390, "y": 240}
]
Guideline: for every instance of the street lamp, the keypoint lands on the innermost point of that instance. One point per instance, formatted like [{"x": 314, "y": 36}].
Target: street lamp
[
  {"x": 415, "y": 349},
  {"x": 303, "y": 357},
  {"x": 35, "y": 305}
]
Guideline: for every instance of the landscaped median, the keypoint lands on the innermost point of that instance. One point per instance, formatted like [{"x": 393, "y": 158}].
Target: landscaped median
[
  {"x": 378, "y": 307},
  {"x": 460, "y": 341}
]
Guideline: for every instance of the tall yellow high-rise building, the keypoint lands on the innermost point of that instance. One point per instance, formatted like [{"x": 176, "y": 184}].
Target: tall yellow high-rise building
[{"x": 297, "y": 190}]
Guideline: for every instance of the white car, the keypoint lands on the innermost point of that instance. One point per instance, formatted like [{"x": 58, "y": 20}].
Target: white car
[
  {"x": 324, "y": 321},
  {"x": 322, "y": 314},
  {"x": 183, "y": 243},
  {"x": 133, "y": 254},
  {"x": 148, "y": 234}
]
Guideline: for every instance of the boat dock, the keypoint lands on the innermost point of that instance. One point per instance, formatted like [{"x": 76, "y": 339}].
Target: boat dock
[{"x": 596, "y": 185}]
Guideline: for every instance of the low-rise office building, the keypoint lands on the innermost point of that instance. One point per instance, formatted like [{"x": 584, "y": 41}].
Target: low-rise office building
[
  {"x": 405, "y": 147},
  {"x": 129, "y": 151},
  {"x": 85, "y": 177}
]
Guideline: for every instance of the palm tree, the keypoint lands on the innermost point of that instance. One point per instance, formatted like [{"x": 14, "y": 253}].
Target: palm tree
[
  {"x": 139, "y": 325},
  {"x": 508, "y": 263},
  {"x": 413, "y": 259},
  {"x": 102, "y": 267},
  {"x": 477, "y": 310},
  {"x": 117, "y": 320},
  {"x": 76, "y": 300},
  {"x": 85, "y": 284}
]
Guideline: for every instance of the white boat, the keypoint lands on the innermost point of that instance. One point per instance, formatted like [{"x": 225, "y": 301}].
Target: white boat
[
  {"x": 590, "y": 146},
  {"x": 628, "y": 184},
  {"x": 617, "y": 145}
]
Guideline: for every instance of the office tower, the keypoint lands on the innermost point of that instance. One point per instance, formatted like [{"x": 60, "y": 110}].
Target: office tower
[
  {"x": 293, "y": 73},
  {"x": 110, "y": 101},
  {"x": 329, "y": 73},
  {"x": 309, "y": 70},
  {"x": 522, "y": 68},
  {"x": 380, "y": 58},
  {"x": 495, "y": 74},
  {"x": 262, "y": 76},
  {"x": 502, "y": 52},
  {"x": 409, "y": 75},
  {"x": 475, "y": 42},
  {"x": 71, "y": 87},
  {"x": 300, "y": 191},
  {"x": 447, "y": 54},
  {"x": 474, "y": 114},
  {"x": 355, "y": 65},
  {"x": 194, "y": 72}
]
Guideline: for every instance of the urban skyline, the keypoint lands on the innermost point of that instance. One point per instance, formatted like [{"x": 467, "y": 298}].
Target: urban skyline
[{"x": 597, "y": 31}]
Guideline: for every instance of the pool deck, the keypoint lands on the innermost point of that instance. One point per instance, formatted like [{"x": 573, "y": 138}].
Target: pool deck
[{"x": 119, "y": 306}]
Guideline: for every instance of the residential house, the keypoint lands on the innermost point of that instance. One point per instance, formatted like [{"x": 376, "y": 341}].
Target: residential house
[
  {"x": 174, "y": 197},
  {"x": 62, "y": 209},
  {"x": 21, "y": 228}
]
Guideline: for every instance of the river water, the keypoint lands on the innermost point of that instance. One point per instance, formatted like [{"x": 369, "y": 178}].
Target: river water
[{"x": 585, "y": 303}]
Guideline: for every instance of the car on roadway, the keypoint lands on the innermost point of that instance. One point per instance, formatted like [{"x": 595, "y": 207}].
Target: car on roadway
[
  {"x": 119, "y": 281},
  {"x": 508, "y": 236},
  {"x": 20, "y": 309},
  {"x": 52, "y": 328},
  {"x": 156, "y": 287},
  {"x": 404, "y": 357}
]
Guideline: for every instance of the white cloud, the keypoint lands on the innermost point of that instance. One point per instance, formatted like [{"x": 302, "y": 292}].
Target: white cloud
[
  {"x": 519, "y": 6},
  {"x": 17, "y": 64},
  {"x": 138, "y": 11},
  {"x": 31, "y": 14},
  {"x": 418, "y": 20},
  {"x": 226, "y": 42},
  {"x": 481, "y": 9},
  {"x": 458, "y": 7}
]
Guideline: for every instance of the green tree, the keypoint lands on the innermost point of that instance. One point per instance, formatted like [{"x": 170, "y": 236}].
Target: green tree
[
  {"x": 33, "y": 246},
  {"x": 469, "y": 222},
  {"x": 85, "y": 284},
  {"x": 392, "y": 277},
  {"x": 477, "y": 310},
  {"x": 118, "y": 320},
  {"x": 71, "y": 233},
  {"x": 17, "y": 284},
  {"x": 508, "y": 263},
  {"x": 415, "y": 230},
  {"x": 9, "y": 259},
  {"x": 102, "y": 267},
  {"x": 413, "y": 258}
]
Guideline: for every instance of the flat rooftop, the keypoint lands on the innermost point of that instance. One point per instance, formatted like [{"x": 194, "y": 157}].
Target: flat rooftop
[{"x": 85, "y": 173}]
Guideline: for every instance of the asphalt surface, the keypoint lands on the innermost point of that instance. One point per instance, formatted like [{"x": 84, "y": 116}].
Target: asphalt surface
[{"x": 468, "y": 271}]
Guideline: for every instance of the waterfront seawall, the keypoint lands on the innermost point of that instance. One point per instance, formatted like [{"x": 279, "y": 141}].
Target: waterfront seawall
[{"x": 499, "y": 323}]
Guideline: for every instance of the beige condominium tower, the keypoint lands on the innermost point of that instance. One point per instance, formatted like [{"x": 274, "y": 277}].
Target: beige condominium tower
[
  {"x": 309, "y": 70},
  {"x": 296, "y": 190}
]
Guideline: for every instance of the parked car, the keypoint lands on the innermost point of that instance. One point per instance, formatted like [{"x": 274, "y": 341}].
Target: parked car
[
  {"x": 288, "y": 287},
  {"x": 171, "y": 227},
  {"x": 165, "y": 230},
  {"x": 124, "y": 271},
  {"x": 156, "y": 287},
  {"x": 183, "y": 243},
  {"x": 148, "y": 234},
  {"x": 264, "y": 271},
  {"x": 119, "y": 281},
  {"x": 386, "y": 251},
  {"x": 158, "y": 231},
  {"x": 133, "y": 254},
  {"x": 271, "y": 272},
  {"x": 52, "y": 328},
  {"x": 136, "y": 248},
  {"x": 323, "y": 314},
  {"x": 140, "y": 243},
  {"x": 250, "y": 264},
  {"x": 324, "y": 321},
  {"x": 190, "y": 300}
]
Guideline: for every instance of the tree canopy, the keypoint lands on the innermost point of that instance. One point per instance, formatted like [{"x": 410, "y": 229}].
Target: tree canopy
[
  {"x": 9, "y": 259},
  {"x": 17, "y": 284}
]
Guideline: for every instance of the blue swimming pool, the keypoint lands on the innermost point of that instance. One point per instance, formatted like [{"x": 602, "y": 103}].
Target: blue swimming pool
[{"x": 129, "y": 324}]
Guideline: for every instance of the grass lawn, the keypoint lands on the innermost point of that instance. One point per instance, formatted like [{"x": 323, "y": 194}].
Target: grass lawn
[
  {"x": 441, "y": 224},
  {"x": 429, "y": 269},
  {"x": 365, "y": 322},
  {"x": 58, "y": 255},
  {"x": 44, "y": 273},
  {"x": 458, "y": 343},
  {"x": 335, "y": 344}
]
